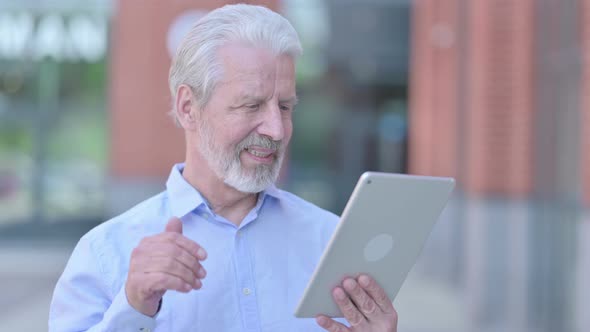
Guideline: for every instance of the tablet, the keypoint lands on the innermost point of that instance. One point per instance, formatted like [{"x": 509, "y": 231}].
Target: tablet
[{"x": 381, "y": 233}]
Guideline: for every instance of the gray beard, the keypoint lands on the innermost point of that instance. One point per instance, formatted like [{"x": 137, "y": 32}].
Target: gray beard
[{"x": 228, "y": 167}]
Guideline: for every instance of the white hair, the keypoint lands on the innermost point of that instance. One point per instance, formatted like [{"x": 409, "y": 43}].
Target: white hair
[{"x": 196, "y": 62}]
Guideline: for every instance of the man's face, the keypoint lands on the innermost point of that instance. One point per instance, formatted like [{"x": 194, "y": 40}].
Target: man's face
[{"x": 245, "y": 127}]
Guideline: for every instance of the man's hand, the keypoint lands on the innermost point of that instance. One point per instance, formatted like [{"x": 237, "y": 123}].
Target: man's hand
[
  {"x": 161, "y": 262},
  {"x": 365, "y": 306}
]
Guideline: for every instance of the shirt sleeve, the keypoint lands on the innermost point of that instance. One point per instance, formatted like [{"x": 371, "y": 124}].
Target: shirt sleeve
[{"x": 82, "y": 300}]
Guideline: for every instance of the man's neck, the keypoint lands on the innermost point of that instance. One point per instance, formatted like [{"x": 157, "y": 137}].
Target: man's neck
[{"x": 224, "y": 200}]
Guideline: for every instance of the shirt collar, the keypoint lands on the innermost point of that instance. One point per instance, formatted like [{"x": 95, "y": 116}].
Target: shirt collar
[{"x": 184, "y": 198}]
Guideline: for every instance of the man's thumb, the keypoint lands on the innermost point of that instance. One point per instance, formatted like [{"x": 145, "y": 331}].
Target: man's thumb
[{"x": 174, "y": 225}]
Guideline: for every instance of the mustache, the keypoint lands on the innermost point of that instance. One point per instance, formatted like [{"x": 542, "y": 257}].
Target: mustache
[{"x": 258, "y": 140}]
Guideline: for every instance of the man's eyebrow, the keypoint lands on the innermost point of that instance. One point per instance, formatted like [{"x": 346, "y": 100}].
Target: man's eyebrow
[
  {"x": 247, "y": 98},
  {"x": 251, "y": 98},
  {"x": 293, "y": 100}
]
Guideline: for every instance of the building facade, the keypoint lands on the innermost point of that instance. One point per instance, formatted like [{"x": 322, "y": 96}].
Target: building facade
[{"x": 499, "y": 95}]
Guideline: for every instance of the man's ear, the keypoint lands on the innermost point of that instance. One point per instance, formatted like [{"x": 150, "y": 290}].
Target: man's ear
[{"x": 186, "y": 107}]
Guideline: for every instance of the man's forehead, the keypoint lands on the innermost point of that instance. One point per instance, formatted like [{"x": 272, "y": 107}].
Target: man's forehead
[
  {"x": 247, "y": 78},
  {"x": 245, "y": 94},
  {"x": 247, "y": 83}
]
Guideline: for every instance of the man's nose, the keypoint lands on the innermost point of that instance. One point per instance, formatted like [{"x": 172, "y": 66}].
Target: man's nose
[{"x": 272, "y": 124}]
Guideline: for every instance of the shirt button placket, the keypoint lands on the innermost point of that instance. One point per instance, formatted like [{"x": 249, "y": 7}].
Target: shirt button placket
[{"x": 248, "y": 301}]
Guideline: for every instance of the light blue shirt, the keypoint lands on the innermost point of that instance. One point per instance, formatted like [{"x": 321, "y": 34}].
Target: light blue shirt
[{"x": 256, "y": 273}]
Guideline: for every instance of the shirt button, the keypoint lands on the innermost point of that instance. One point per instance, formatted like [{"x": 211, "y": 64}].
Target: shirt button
[
  {"x": 239, "y": 233},
  {"x": 246, "y": 291}
]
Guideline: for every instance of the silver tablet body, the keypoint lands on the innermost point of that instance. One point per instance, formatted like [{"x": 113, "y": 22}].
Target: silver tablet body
[{"x": 381, "y": 232}]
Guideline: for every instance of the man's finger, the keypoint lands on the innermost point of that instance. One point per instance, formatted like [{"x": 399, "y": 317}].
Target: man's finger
[
  {"x": 167, "y": 249},
  {"x": 350, "y": 312},
  {"x": 363, "y": 301},
  {"x": 174, "y": 225},
  {"x": 189, "y": 245},
  {"x": 172, "y": 267},
  {"x": 160, "y": 281},
  {"x": 377, "y": 293},
  {"x": 329, "y": 324}
]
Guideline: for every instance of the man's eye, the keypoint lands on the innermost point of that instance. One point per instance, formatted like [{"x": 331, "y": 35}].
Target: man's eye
[
  {"x": 252, "y": 107},
  {"x": 285, "y": 108}
]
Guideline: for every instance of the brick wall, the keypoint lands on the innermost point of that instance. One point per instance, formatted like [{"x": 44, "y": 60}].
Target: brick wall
[
  {"x": 499, "y": 113},
  {"x": 585, "y": 96},
  {"x": 434, "y": 88},
  {"x": 471, "y": 109}
]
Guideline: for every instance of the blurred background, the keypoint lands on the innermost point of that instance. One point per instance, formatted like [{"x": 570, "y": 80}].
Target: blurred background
[{"x": 495, "y": 93}]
